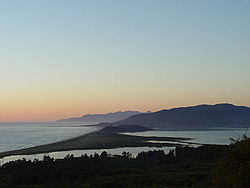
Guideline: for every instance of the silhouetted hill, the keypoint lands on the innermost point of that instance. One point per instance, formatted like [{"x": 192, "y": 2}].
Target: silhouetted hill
[
  {"x": 201, "y": 116},
  {"x": 98, "y": 118}
]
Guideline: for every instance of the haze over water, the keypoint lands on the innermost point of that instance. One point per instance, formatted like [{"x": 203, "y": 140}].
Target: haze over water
[{"x": 23, "y": 135}]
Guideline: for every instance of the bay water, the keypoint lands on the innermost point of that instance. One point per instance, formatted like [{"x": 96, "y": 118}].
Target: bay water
[{"x": 23, "y": 135}]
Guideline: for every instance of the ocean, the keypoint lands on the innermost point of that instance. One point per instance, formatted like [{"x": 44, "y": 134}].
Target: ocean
[{"x": 22, "y": 135}]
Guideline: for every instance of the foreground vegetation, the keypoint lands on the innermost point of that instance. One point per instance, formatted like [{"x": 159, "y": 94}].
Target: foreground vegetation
[{"x": 205, "y": 166}]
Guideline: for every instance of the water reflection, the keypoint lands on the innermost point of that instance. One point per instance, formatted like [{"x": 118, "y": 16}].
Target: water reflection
[{"x": 218, "y": 136}]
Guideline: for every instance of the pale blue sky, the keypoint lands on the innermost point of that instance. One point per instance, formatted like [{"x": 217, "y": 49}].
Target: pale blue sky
[{"x": 114, "y": 55}]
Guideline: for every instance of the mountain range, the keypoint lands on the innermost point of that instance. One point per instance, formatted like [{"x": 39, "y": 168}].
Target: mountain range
[
  {"x": 201, "y": 116},
  {"x": 99, "y": 118},
  {"x": 197, "y": 117}
]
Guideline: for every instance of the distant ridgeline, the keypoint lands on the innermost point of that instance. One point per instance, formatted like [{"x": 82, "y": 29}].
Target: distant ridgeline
[
  {"x": 193, "y": 117},
  {"x": 201, "y": 116},
  {"x": 99, "y": 118}
]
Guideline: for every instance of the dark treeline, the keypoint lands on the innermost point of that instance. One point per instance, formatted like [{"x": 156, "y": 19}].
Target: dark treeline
[{"x": 205, "y": 166}]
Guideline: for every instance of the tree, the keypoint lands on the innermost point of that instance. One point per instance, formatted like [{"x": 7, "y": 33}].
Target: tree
[
  {"x": 233, "y": 168},
  {"x": 104, "y": 155},
  {"x": 126, "y": 154}
]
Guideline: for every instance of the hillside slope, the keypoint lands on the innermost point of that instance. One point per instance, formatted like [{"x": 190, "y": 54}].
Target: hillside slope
[
  {"x": 98, "y": 118},
  {"x": 201, "y": 116}
]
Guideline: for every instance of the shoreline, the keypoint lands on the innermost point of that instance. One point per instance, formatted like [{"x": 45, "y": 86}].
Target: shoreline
[{"x": 99, "y": 139}]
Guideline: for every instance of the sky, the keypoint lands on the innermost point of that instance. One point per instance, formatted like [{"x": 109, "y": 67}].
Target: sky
[{"x": 66, "y": 58}]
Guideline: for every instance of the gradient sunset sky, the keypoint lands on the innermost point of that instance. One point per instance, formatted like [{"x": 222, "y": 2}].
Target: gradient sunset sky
[{"x": 64, "y": 58}]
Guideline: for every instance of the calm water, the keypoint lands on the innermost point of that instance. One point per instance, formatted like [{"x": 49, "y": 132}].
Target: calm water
[
  {"x": 22, "y": 135},
  {"x": 213, "y": 136},
  {"x": 77, "y": 153}
]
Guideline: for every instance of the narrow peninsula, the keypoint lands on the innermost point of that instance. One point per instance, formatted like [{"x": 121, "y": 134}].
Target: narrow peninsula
[{"x": 106, "y": 138}]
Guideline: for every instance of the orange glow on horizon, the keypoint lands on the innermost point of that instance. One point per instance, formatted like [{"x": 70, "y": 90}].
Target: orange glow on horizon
[{"x": 50, "y": 113}]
